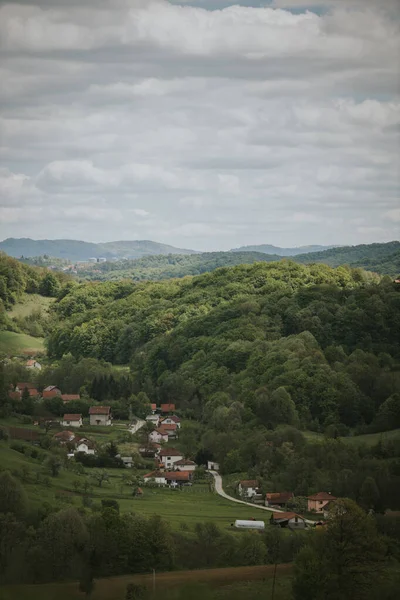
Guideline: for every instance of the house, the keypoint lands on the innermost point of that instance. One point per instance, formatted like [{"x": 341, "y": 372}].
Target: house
[
  {"x": 212, "y": 466},
  {"x": 167, "y": 408},
  {"x": 51, "y": 391},
  {"x": 33, "y": 391},
  {"x": 84, "y": 445},
  {"x": 317, "y": 502},
  {"x": 173, "y": 478},
  {"x": 64, "y": 437},
  {"x": 33, "y": 364},
  {"x": 173, "y": 420},
  {"x": 72, "y": 420},
  {"x": 158, "y": 435},
  {"x": 100, "y": 415},
  {"x": 69, "y": 397},
  {"x": 248, "y": 488},
  {"x": 288, "y": 519},
  {"x": 328, "y": 507},
  {"x": 127, "y": 460},
  {"x": 170, "y": 429},
  {"x": 153, "y": 419},
  {"x": 169, "y": 456},
  {"x": 15, "y": 395},
  {"x": 279, "y": 499},
  {"x": 151, "y": 450},
  {"x": 153, "y": 407},
  {"x": 185, "y": 465}
]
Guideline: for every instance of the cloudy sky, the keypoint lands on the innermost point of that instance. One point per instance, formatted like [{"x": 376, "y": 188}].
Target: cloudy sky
[{"x": 201, "y": 123}]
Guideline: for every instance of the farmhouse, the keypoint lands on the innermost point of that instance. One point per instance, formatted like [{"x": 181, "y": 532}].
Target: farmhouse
[
  {"x": 185, "y": 465},
  {"x": 100, "y": 415},
  {"x": 248, "y": 488},
  {"x": 173, "y": 420},
  {"x": 155, "y": 476},
  {"x": 279, "y": 499},
  {"x": 151, "y": 450},
  {"x": 84, "y": 445},
  {"x": 63, "y": 437},
  {"x": 33, "y": 364},
  {"x": 69, "y": 397},
  {"x": 173, "y": 478},
  {"x": 170, "y": 429},
  {"x": 153, "y": 419},
  {"x": 71, "y": 420},
  {"x": 288, "y": 519},
  {"x": 158, "y": 435},
  {"x": 212, "y": 466},
  {"x": 32, "y": 390},
  {"x": 153, "y": 407},
  {"x": 51, "y": 391},
  {"x": 170, "y": 456},
  {"x": 317, "y": 502},
  {"x": 167, "y": 408}
]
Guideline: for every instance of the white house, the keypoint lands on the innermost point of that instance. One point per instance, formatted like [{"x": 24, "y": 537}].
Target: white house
[
  {"x": 248, "y": 488},
  {"x": 171, "y": 429},
  {"x": 212, "y": 466},
  {"x": 185, "y": 465},
  {"x": 173, "y": 420},
  {"x": 170, "y": 456},
  {"x": 158, "y": 436},
  {"x": 153, "y": 419},
  {"x": 127, "y": 460},
  {"x": 84, "y": 445},
  {"x": 33, "y": 364},
  {"x": 72, "y": 421},
  {"x": 173, "y": 478},
  {"x": 288, "y": 519},
  {"x": 155, "y": 476},
  {"x": 100, "y": 415}
]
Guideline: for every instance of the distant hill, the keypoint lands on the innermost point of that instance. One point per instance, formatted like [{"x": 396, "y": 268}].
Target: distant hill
[
  {"x": 381, "y": 258},
  {"x": 75, "y": 250},
  {"x": 268, "y": 249},
  {"x": 171, "y": 266}
]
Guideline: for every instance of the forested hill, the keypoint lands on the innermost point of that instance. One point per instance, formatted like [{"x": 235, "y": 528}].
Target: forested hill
[
  {"x": 269, "y": 249},
  {"x": 154, "y": 268},
  {"x": 270, "y": 342},
  {"x": 381, "y": 258},
  {"x": 77, "y": 250}
]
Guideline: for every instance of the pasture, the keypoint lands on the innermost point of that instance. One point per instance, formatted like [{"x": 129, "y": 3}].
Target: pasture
[{"x": 20, "y": 343}]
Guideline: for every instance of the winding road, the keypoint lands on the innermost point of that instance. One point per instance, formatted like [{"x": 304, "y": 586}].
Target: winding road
[{"x": 220, "y": 490}]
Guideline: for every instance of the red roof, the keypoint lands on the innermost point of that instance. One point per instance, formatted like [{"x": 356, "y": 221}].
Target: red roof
[
  {"x": 249, "y": 483},
  {"x": 177, "y": 476},
  {"x": 167, "y": 407},
  {"x": 285, "y": 516},
  {"x": 15, "y": 395},
  {"x": 30, "y": 363},
  {"x": 64, "y": 436},
  {"x": 153, "y": 406},
  {"x": 170, "y": 452},
  {"x": 33, "y": 392},
  {"x": 161, "y": 431},
  {"x": 99, "y": 410},
  {"x": 175, "y": 418},
  {"x": 72, "y": 417},
  {"x": 68, "y": 397},
  {"x": 322, "y": 496},
  {"x": 169, "y": 426},
  {"x": 50, "y": 388},
  {"x": 278, "y": 497},
  {"x": 24, "y": 385},
  {"x": 184, "y": 462}
]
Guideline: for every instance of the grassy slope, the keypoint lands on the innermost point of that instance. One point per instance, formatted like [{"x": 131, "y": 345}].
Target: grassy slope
[
  {"x": 370, "y": 439},
  {"x": 191, "y": 505},
  {"x": 15, "y": 343},
  {"x": 29, "y": 303}
]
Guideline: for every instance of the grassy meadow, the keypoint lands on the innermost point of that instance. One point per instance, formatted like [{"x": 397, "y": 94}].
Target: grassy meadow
[{"x": 20, "y": 343}]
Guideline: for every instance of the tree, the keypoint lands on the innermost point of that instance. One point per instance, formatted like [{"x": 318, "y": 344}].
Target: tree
[
  {"x": 86, "y": 582},
  {"x": 49, "y": 286},
  {"x": 12, "y": 495},
  {"x": 135, "y": 592},
  {"x": 53, "y": 463},
  {"x": 100, "y": 477},
  {"x": 369, "y": 494},
  {"x": 345, "y": 561}
]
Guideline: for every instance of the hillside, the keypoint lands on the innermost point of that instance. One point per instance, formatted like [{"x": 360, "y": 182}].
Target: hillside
[
  {"x": 380, "y": 258},
  {"x": 74, "y": 250},
  {"x": 269, "y": 249},
  {"x": 155, "y": 268}
]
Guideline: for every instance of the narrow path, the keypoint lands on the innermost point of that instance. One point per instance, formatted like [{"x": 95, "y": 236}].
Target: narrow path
[
  {"x": 220, "y": 490},
  {"x": 138, "y": 425}
]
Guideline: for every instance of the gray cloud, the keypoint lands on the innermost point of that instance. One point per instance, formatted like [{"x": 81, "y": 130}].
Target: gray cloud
[{"x": 208, "y": 128}]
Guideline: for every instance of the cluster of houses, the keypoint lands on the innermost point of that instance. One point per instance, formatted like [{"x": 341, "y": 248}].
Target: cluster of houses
[
  {"x": 77, "y": 443},
  {"x": 166, "y": 424},
  {"x": 51, "y": 391},
  {"x": 319, "y": 503},
  {"x": 98, "y": 415},
  {"x": 172, "y": 468}
]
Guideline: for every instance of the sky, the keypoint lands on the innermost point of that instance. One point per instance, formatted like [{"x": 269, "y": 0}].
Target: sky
[{"x": 200, "y": 123}]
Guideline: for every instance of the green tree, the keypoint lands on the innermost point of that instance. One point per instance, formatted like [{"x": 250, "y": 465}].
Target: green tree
[
  {"x": 49, "y": 286},
  {"x": 369, "y": 494},
  {"x": 345, "y": 561},
  {"x": 53, "y": 464},
  {"x": 13, "y": 498}
]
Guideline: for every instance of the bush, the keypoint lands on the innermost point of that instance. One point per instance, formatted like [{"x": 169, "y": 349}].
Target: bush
[
  {"x": 110, "y": 504},
  {"x": 18, "y": 447}
]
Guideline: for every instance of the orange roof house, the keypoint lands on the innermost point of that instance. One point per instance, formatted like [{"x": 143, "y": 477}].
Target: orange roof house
[
  {"x": 166, "y": 408},
  {"x": 51, "y": 391},
  {"x": 69, "y": 397},
  {"x": 317, "y": 502},
  {"x": 278, "y": 498}
]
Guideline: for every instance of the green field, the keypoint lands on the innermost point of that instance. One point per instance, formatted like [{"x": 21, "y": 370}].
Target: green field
[
  {"x": 369, "y": 439},
  {"x": 19, "y": 343},
  {"x": 188, "y": 505},
  {"x": 29, "y": 303}
]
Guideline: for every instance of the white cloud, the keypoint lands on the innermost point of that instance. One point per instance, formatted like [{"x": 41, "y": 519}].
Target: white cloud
[{"x": 205, "y": 128}]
